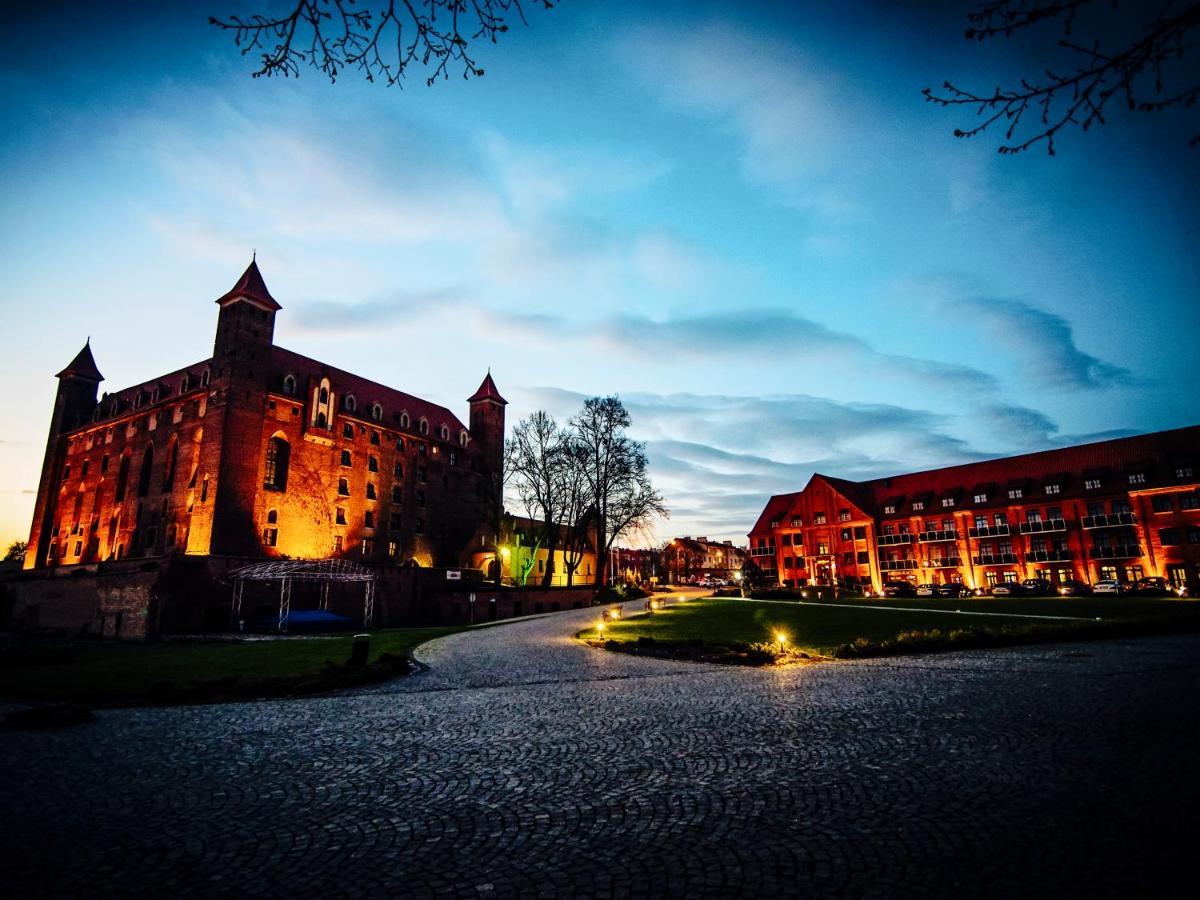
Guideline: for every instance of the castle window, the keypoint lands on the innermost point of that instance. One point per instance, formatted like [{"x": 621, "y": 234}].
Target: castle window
[
  {"x": 276, "y": 472},
  {"x": 343, "y": 487},
  {"x": 394, "y": 521},
  {"x": 424, "y": 426},
  {"x": 400, "y": 444},
  {"x": 453, "y": 458},
  {"x": 346, "y": 458},
  {"x": 349, "y": 403},
  {"x": 404, "y": 420},
  {"x": 396, "y": 493},
  {"x": 372, "y": 464},
  {"x": 370, "y": 490},
  {"x": 205, "y": 376},
  {"x": 339, "y": 516},
  {"x": 376, "y": 412},
  {"x": 321, "y": 423},
  {"x": 1137, "y": 477},
  {"x": 1092, "y": 484},
  {"x": 348, "y": 431},
  {"x": 444, "y": 433},
  {"x": 66, "y": 475},
  {"x": 204, "y": 490},
  {"x": 337, "y": 543},
  {"x": 185, "y": 384},
  {"x": 104, "y": 464},
  {"x": 463, "y": 437},
  {"x": 368, "y": 546},
  {"x": 1016, "y": 493},
  {"x": 375, "y": 438},
  {"x": 323, "y": 395},
  {"x": 421, "y": 474},
  {"x": 369, "y": 519},
  {"x": 393, "y": 549},
  {"x": 289, "y": 384},
  {"x": 143, "y": 487},
  {"x": 172, "y": 459},
  {"x": 420, "y": 498},
  {"x": 421, "y": 449},
  {"x": 982, "y": 498},
  {"x": 270, "y": 533},
  {"x": 398, "y": 469}
]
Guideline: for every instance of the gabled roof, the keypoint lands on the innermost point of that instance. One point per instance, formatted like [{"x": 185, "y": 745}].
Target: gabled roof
[
  {"x": 854, "y": 491},
  {"x": 82, "y": 366},
  {"x": 487, "y": 391},
  {"x": 776, "y": 507},
  {"x": 285, "y": 362},
  {"x": 251, "y": 286}
]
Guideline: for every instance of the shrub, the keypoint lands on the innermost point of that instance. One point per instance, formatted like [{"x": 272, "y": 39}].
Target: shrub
[{"x": 762, "y": 653}]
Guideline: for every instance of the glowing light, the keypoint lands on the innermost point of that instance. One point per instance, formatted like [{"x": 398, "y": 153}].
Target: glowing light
[
  {"x": 615, "y": 612},
  {"x": 504, "y": 551},
  {"x": 600, "y": 628},
  {"x": 781, "y": 638}
]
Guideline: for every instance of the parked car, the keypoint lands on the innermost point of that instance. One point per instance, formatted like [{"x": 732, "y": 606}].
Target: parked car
[
  {"x": 926, "y": 590},
  {"x": 1073, "y": 588},
  {"x": 952, "y": 590},
  {"x": 1109, "y": 587},
  {"x": 1152, "y": 587},
  {"x": 1007, "y": 589},
  {"x": 899, "y": 589},
  {"x": 1038, "y": 587}
]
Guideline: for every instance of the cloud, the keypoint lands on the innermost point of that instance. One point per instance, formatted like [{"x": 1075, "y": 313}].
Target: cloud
[
  {"x": 770, "y": 333},
  {"x": 325, "y": 316},
  {"x": 1043, "y": 340}
]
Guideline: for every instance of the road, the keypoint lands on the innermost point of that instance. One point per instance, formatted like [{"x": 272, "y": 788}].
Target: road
[{"x": 524, "y": 764}]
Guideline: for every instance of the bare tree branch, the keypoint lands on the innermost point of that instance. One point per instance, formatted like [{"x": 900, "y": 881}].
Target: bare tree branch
[
  {"x": 1135, "y": 73},
  {"x": 381, "y": 38}
]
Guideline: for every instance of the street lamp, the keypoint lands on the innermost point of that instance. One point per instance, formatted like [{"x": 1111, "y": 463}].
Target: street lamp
[
  {"x": 781, "y": 637},
  {"x": 600, "y": 629}
]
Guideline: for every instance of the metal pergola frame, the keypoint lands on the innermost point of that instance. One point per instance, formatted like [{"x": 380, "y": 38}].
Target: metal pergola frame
[{"x": 285, "y": 571}]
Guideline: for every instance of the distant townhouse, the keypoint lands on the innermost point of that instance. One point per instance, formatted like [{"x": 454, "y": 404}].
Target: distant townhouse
[{"x": 1112, "y": 510}]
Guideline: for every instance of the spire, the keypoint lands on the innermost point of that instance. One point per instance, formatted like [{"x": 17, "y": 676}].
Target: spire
[
  {"x": 252, "y": 287},
  {"x": 82, "y": 366},
  {"x": 487, "y": 391}
]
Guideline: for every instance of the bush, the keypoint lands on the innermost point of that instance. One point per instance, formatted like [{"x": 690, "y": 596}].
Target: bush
[{"x": 761, "y": 653}]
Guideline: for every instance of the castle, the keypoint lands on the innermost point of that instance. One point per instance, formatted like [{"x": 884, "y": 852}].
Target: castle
[{"x": 259, "y": 452}]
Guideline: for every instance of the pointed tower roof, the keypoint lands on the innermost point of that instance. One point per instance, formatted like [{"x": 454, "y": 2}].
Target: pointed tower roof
[
  {"x": 82, "y": 366},
  {"x": 252, "y": 287},
  {"x": 487, "y": 391}
]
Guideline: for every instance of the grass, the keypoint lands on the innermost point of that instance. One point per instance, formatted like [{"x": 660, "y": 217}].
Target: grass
[
  {"x": 185, "y": 671},
  {"x": 828, "y": 630}
]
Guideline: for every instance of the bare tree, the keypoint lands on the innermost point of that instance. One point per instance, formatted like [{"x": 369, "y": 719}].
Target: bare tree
[
  {"x": 381, "y": 38},
  {"x": 614, "y": 467},
  {"x": 1145, "y": 70},
  {"x": 535, "y": 459}
]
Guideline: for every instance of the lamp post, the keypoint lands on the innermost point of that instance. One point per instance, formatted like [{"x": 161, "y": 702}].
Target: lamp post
[{"x": 782, "y": 639}]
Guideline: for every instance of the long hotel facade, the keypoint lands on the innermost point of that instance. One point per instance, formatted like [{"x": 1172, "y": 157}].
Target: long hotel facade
[{"x": 1113, "y": 510}]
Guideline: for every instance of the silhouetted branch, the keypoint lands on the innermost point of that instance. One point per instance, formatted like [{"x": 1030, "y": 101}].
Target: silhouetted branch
[
  {"x": 382, "y": 38},
  {"x": 1080, "y": 98}
]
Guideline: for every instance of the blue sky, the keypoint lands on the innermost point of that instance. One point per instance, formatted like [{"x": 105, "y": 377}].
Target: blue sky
[{"x": 742, "y": 218}]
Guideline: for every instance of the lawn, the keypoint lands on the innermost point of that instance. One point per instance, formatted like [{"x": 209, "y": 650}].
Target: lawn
[
  {"x": 821, "y": 628},
  {"x": 1088, "y": 606},
  {"x": 184, "y": 670}
]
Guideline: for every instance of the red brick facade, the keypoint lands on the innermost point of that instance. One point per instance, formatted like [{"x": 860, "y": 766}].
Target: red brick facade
[
  {"x": 1118, "y": 509},
  {"x": 259, "y": 452}
]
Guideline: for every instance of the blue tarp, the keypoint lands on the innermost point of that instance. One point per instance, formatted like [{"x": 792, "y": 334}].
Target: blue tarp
[{"x": 310, "y": 620}]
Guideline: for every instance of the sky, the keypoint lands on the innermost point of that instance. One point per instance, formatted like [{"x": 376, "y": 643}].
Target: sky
[{"x": 741, "y": 218}]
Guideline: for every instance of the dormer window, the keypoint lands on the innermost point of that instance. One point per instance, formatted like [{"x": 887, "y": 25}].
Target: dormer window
[
  {"x": 918, "y": 505},
  {"x": 1053, "y": 488},
  {"x": 1015, "y": 493},
  {"x": 376, "y": 412},
  {"x": 185, "y": 384},
  {"x": 205, "y": 376},
  {"x": 1182, "y": 472},
  {"x": 444, "y": 433},
  {"x": 349, "y": 403},
  {"x": 424, "y": 426},
  {"x": 1137, "y": 477},
  {"x": 981, "y": 498},
  {"x": 947, "y": 502},
  {"x": 1092, "y": 484},
  {"x": 404, "y": 420},
  {"x": 323, "y": 396},
  {"x": 463, "y": 437},
  {"x": 154, "y": 395},
  {"x": 321, "y": 412},
  {"x": 289, "y": 384}
]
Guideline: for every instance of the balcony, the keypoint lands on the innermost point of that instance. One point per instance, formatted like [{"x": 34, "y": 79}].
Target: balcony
[
  {"x": 1116, "y": 551},
  {"x": 762, "y": 551},
  {"x": 1049, "y": 555},
  {"x": 991, "y": 531},
  {"x": 887, "y": 540},
  {"x": 895, "y": 565},
  {"x": 930, "y": 537},
  {"x": 1113, "y": 521},
  {"x": 948, "y": 562},
  {"x": 995, "y": 559},
  {"x": 1043, "y": 526}
]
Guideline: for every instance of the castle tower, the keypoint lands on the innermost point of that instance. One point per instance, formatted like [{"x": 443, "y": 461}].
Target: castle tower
[
  {"x": 237, "y": 403},
  {"x": 487, "y": 432},
  {"x": 74, "y": 402}
]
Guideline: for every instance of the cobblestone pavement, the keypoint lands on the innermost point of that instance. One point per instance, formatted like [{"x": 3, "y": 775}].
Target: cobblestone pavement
[{"x": 1063, "y": 770}]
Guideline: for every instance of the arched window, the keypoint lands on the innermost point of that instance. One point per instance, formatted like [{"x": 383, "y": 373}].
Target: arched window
[
  {"x": 424, "y": 427},
  {"x": 138, "y": 399},
  {"x": 463, "y": 437},
  {"x": 204, "y": 378},
  {"x": 186, "y": 384},
  {"x": 143, "y": 487},
  {"x": 349, "y": 403},
  {"x": 289, "y": 384},
  {"x": 276, "y": 472},
  {"x": 155, "y": 394},
  {"x": 321, "y": 423},
  {"x": 172, "y": 459},
  {"x": 376, "y": 412},
  {"x": 444, "y": 433},
  {"x": 323, "y": 397},
  {"x": 404, "y": 420},
  {"x": 272, "y": 517},
  {"x": 321, "y": 412}
]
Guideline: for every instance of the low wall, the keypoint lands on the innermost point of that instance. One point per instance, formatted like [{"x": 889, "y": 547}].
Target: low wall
[
  {"x": 121, "y": 605},
  {"x": 492, "y": 605}
]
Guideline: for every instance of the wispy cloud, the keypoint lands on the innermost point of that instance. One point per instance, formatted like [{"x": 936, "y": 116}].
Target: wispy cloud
[
  {"x": 1043, "y": 340},
  {"x": 326, "y": 316}
]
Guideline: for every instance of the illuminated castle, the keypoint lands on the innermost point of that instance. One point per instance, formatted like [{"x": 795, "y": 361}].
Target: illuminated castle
[{"x": 260, "y": 452}]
